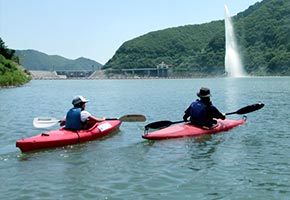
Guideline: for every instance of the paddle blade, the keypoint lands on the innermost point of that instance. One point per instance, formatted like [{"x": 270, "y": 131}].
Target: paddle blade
[
  {"x": 158, "y": 125},
  {"x": 133, "y": 118},
  {"x": 248, "y": 109},
  {"x": 44, "y": 122}
]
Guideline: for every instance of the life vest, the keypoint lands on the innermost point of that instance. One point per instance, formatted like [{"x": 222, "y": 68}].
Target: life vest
[
  {"x": 198, "y": 113},
  {"x": 73, "y": 119}
]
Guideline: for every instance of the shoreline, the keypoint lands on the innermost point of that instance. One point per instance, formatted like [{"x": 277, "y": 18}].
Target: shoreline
[
  {"x": 148, "y": 78},
  {"x": 138, "y": 78}
]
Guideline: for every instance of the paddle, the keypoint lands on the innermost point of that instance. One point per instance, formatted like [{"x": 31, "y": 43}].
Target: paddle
[
  {"x": 130, "y": 118},
  {"x": 247, "y": 109},
  {"x": 166, "y": 123},
  {"x": 44, "y": 122}
]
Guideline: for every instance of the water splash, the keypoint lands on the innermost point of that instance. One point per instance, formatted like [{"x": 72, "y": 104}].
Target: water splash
[{"x": 233, "y": 63}]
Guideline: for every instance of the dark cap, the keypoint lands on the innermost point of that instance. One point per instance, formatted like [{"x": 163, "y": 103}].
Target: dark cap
[
  {"x": 203, "y": 92},
  {"x": 79, "y": 99}
]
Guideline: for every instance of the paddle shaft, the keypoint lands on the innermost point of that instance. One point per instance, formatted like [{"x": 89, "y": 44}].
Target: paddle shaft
[
  {"x": 231, "y": 113},
  {"x": 44, "y": 122}
]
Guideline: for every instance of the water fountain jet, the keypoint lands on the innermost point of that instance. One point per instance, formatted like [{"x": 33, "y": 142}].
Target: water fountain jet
[{"x": 233, "y": 63}]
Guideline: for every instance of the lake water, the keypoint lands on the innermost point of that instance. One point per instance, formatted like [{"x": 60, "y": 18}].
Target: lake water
[{"x": 249, "y": 162}]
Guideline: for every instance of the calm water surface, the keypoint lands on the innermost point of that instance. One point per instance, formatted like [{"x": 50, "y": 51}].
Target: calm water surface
[{"x": 249, "y": 162}]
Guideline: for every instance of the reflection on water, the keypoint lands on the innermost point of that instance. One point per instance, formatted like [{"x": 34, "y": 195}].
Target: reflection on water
[{"x": 202, "y": 149}]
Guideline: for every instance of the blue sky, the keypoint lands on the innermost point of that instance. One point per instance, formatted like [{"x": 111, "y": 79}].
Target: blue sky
[{"x": 95, "y": 29}]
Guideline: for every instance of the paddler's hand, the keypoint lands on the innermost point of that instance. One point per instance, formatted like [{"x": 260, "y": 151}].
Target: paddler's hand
[
  {"x": 62, "y": 122},
  {"x": 224, "y": 116}
]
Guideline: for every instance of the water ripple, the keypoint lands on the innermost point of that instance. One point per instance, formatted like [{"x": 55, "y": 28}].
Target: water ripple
[{"x": 249, "y": 162}]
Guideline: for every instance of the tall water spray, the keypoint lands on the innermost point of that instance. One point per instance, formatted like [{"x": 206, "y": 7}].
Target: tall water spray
[{"x": 233, "y": 63}]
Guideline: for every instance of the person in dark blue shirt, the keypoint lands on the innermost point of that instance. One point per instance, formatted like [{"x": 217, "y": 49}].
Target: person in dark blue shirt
[{"x": 202, "y": 112}]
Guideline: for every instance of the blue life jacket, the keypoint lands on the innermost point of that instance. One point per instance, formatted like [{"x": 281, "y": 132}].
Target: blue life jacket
[
  {"x": 73, "y": 119},
  {"x": 198, "y": 113}
]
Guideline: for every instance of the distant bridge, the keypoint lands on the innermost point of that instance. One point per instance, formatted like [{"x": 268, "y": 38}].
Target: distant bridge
[
  {"x": 160, "y": 70},
  {"x": 150, "y": 72}
]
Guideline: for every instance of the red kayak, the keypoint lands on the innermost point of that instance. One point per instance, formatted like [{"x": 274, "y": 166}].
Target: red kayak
[
  {"x": 188, "y": 130},
  {"x": 62, "y": 137}
]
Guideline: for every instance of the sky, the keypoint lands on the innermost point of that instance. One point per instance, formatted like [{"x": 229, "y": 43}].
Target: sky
[{"x": 95, "y": 29}]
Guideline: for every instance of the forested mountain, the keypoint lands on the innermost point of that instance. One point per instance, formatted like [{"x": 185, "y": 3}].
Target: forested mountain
[
  {"x": 262, "y": 31},
  {"x": 35, "y": 60}
]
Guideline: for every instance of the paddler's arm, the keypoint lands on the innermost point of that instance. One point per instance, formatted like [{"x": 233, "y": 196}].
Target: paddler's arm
[
  {"x": 186, "y": 114},
  {"x": 96, "y": 119},
  {"x": 215, "y": 113}
]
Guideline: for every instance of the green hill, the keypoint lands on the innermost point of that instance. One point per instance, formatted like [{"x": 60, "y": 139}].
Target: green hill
[
  {"x": 35, "y": 60},
  {"x": 262, "y": 31},
  {"x": 11, "y": 74}
]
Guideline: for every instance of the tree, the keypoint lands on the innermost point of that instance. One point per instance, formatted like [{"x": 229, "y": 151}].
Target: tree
[{"x": 4, "y": 51}]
